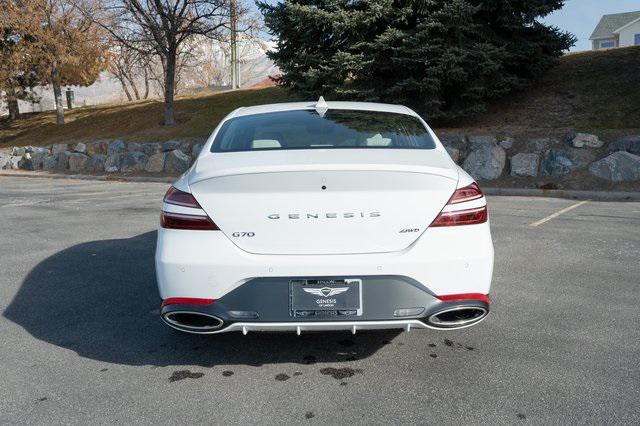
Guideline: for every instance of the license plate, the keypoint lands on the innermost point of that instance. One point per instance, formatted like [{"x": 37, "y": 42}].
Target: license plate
[{"x": 317, "y": 297}]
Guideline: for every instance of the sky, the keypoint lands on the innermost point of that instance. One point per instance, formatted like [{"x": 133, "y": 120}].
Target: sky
[{"x": 580, "y": 17}]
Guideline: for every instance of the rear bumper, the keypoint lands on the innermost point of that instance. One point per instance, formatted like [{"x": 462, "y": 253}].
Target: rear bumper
[{"x": 206, "y": 265}]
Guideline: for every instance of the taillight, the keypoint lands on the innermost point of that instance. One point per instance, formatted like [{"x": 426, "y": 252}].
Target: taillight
[
  {"x": 187, "y": 221},
  {"x": 459, "y": 215},
  {"x": 468, "y": 193},
  {"x": 181, "y": 198},
  {"x": 192, "y": 217}
]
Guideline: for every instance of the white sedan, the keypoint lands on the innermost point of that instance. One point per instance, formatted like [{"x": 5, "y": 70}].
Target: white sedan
[{"x": 323, "y": 216}]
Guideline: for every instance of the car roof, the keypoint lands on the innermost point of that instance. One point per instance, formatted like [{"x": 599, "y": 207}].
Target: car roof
[{"x": 292, "y": 106}]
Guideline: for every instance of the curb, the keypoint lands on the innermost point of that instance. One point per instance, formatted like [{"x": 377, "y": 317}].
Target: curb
[
  {"x": 515, "y": 192},
  {"x": 103, "y": 178},
  {"x": 561, "y": 193}
]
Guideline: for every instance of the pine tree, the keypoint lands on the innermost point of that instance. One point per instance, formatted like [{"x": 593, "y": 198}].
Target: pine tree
[{"x": 445, "y": 58}]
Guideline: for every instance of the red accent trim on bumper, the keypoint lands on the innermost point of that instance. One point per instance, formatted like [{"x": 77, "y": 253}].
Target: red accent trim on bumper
[
  {"x": 467, "y": 296},
  {"x": 186, "y": 301}
]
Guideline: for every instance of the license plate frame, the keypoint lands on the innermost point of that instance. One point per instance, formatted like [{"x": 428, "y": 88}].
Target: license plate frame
[{"x": 331, "y": 297}]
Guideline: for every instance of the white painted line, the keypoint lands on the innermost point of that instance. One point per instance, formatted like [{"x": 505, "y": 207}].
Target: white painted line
[{"x": 558, "y": 213}]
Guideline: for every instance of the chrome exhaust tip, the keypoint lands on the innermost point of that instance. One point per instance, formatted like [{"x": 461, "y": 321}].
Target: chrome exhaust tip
[
  {"x": 458, "y": 317},
  {"x": 192, "y": 322}
]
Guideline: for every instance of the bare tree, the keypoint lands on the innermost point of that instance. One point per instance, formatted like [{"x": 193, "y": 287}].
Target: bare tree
[
  {"x": 163, "y": 27},
  {"x": 129, "y": 66}
]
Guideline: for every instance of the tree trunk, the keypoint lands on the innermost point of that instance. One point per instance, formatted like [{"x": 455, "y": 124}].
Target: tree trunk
[
  {"x": 57, "y": 95},
  {"x": 146, "y": 84},
  {"x": 125, "y": 89},
  {"x": 14, "y": 109},
  {"x": 133, "y": 87},
  {"x": 169, "y": 86}
]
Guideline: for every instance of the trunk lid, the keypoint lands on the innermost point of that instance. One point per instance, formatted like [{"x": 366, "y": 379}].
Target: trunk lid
[{"x": 273, "y": 202}]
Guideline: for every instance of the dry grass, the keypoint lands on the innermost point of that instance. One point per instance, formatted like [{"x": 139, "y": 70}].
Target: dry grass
[
  {"x": 587, "y": 91},
  {"x": 137, "y": 121}
]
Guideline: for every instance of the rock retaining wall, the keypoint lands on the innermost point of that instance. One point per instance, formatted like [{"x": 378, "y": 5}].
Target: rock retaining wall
[
  {"x": 485, "y": 157},
  {"x": 112, "y": 156}
]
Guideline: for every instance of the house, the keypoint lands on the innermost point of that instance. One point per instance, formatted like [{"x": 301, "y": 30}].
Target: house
[{"x": 617, "y": 30}]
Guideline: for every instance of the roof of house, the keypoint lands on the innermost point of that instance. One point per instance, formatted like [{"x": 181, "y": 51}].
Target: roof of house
[{"x": 610, "y": 23}]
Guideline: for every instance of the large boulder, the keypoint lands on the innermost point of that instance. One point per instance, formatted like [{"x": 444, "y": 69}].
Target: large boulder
[
  {"x": 584, "y": 140},
  {"x": 525, "y": 164},
  {"x": 506, "y": 142},
  {"x": 133, "y": 162},
  {"x": 18, "y": 151},
  {"x": 479, "y": 141},
  {"x": 454, "y": 153},
  {"x": 170, "y": 146},
  {"x": 556, "y": 162},
  {"x": 36, "y": 150},
  {"x": 79, "y": 162},
  {"x": 485, "y": 162},
  {"x": 97, "y": 147},
  {"x": 186, "y": 147},
  {"x": 11, "y": 162},
  {"x": 115, "y": 147},
  {"x": 620, "y": 166},
  {"x": 80, "y": 147},
  {"x": 454, "y": 141},
  {"x": 4, "y": 159},
  {"x": 197, "y": 148},
  {"x": 176, "y": 162},
  {"x": 541, "y": 144},
  {"x": 628, "y": 143},
  {"x": 155, "y": 163},
  {"x": 112, "y": 162},
  {"x": 31, "y": 161},
  {"x": 97, "y": 162},
  {"x": 63, "y": 160},
  {"x": 134, "y": 146},
  {"x": 50, "y": 162},
  {"x": 151, "y": 148},
  {"x": 59, "y": 147}
]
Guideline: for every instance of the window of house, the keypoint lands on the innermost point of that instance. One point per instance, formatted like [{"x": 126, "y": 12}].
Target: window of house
[{"x": 607, "y": 44}]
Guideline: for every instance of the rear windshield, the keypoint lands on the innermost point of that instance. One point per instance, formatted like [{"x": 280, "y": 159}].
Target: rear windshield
[{"x": 306, "y": 129}]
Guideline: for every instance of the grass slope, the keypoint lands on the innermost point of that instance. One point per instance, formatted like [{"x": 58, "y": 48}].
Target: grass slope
[
  {"x": 588, "y": 91},
  {"x": 136, "y": 121}
]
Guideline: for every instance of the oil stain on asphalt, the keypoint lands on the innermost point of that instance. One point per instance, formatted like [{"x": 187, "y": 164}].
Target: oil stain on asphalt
[
  {"x": 340, "y": 373},
  {"x": 184, "y": 374},
  {"x": 227, "y": 373},
  {"x": 282, "y": 377}
]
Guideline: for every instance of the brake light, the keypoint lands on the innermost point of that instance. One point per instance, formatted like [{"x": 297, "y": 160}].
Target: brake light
[
  {"x": 468, "y": 193},
  {"x": 193, "y": 217},
  {"x": 181, "y": 198},
  {"x": 463, "y": 216},
  {"x": 187, "y": 221}
]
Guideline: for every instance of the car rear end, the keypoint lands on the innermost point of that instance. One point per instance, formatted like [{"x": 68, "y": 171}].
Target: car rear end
[{"x": 368, "y": 226}]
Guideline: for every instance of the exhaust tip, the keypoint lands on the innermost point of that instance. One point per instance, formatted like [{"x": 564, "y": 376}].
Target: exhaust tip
[
  {"x": 458, "y": 317},
  {"x": 193, "y": 322}
]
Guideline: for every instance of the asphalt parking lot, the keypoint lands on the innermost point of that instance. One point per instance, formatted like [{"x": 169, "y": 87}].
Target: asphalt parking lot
[{"x": 81, "y": 341}]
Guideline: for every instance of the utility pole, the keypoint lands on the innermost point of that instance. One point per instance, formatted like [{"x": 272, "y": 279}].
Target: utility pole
[{"x": 235, "y": 62}]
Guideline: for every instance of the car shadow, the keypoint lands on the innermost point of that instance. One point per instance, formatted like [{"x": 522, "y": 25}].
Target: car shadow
[{"x": 100, "y": 300}]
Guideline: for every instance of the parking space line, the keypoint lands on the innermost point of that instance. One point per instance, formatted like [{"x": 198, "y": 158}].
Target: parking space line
[{"x": 558, "y": 213}]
